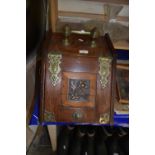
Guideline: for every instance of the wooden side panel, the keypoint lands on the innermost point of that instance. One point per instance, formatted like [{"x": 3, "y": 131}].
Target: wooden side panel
[{"x": 103, "y": 97}]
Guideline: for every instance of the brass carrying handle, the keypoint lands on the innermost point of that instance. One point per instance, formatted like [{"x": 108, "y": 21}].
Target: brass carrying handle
[
  {"x": 94, "y": 35},
  {"x": 67, "y": 32}
]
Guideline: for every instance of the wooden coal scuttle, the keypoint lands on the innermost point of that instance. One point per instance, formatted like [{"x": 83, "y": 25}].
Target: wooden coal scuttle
[{"x": 77, "y": 78}]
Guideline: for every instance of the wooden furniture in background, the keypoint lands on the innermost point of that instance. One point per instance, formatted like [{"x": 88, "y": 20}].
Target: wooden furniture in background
[{"x": 122, "y": 78}]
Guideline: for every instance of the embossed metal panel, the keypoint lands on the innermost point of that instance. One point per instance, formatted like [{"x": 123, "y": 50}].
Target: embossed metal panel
[{"x": 78, "y": 90}]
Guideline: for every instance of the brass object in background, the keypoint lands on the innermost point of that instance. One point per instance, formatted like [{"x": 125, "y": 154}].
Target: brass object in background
[
  {"x": 54, "y": 68},
  {"x": 49, "y": 116},
  {"x": 104, "y": 118},
  {"x": 104, "y": 70},
  {"x": 67, "y": 32}
]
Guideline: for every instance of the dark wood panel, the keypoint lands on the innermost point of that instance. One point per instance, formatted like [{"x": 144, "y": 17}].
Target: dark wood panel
[{"x": 79, "y": 64}]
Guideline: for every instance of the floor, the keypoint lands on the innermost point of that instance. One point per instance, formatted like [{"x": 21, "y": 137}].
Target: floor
[{"x": 41, "y": 144}]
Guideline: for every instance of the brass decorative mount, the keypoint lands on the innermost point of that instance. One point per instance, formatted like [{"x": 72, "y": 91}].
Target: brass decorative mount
[
  {"x": 104, "y": 71},
  {"x": 104, "y": 118},
  {"x": 54, "y": 67},
  {"x": 49, "y": 116}
]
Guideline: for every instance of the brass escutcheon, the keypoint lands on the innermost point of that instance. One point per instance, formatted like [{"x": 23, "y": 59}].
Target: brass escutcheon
[{"x": 77, "y": 115}]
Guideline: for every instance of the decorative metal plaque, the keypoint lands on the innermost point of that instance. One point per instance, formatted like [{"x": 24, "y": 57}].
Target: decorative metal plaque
[
  {"x": 78, "y": 90},
  {"x": 54, "y": 68},
  {"x": 49, "y": 116},
  {"x": 104, "y": 70}
]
